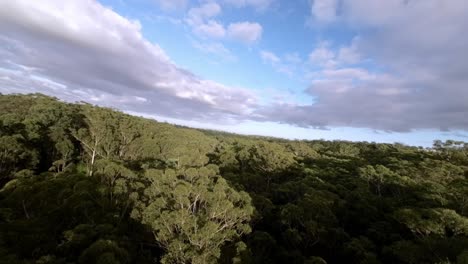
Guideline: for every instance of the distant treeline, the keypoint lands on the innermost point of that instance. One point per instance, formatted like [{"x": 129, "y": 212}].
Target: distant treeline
[{"x": 85, "y": 184}]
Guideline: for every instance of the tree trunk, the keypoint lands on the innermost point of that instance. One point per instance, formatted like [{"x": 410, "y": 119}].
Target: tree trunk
[{"x": 93, "y": 158}]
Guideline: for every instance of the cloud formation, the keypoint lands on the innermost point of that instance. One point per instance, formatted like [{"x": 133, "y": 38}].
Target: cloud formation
[
  {"x": 422, "y": 47},
  {"x": 287, "y": 65},
  {"x": 324, "y": 10},
  {"x": 201, "y": 19},
  {"x": 269, "y": 57},
  {"x": 202, "y": 22},
  {"x": 407, "y": 68},
  {"x": 323, "y": 56},
  {"x": 197, "y": 15},
  {"x": 246, "y": 32},
  {"x": 212, "y": 29},
  {"x": 81, "y": 50}
]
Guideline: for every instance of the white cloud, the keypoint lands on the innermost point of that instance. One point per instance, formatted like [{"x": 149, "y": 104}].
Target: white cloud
[
  {"x": 416, "y": 78},
  {"x": 246, "y": 32},
  {"x": 324, "y": 10},
  {"x": 172, "y": 4},
  {"x": 325, "y": 56},
  {"x": 163, "y": 18},
  {"x": 381, "y": 13},
  {"x": 348, "y": 74},
  {"x": 269, "y": 57},
  {"x": 198, "y": 15},
  {"x": 201, "y": 19},
  {"x": 211, "y": 29},
  {"x": 352, "y": 98},
  {"x": 349, "y": 54},
  {"x": 322, "y": 56},
  {"x": 202, "y": 22},
  {"x": 257, "y": 4},
  {"x": 81, "y": 50},
  {"x": 286, "y": 66}
]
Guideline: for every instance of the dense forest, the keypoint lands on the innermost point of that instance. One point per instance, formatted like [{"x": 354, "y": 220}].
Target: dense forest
[{"x": 85, "y": 184}]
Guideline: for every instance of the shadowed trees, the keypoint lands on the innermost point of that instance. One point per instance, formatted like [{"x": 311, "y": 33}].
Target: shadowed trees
[
  {"x": 85, "y": 184},
  {"x": 192, "y": 213}
]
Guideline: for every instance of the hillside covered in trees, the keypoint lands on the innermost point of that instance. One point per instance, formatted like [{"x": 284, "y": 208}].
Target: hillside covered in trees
[{"x": 84, "y": 184}]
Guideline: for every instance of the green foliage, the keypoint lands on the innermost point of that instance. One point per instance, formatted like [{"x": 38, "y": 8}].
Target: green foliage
[
  {"x": 84, "y": 184},
  {"x": 434, "y": 221},
  {"x": 104, "y": 252},
  {"x": 192, "y": 213}
]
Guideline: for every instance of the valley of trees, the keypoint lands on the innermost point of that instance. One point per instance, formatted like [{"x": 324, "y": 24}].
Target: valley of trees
[{"x": 84, "y": 184}]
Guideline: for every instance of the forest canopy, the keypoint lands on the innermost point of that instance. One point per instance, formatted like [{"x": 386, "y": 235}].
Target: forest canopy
[{"x": 86, "y": 184}]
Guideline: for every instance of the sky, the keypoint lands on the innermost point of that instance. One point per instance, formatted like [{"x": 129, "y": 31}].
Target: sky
[{"x": 358, "y": 70}]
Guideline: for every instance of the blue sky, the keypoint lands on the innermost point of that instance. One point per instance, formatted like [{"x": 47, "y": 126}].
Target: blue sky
[{"x": 384, "y": 71}]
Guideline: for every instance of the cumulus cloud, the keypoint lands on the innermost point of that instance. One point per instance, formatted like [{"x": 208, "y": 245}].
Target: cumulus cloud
[
  {"x": 201, "y": 19},
  {"x": 81, "y": 50},
  {"x": 406, "y": 70},
  {"x": 418, "y": 73},
  {"x": 349, "y": 54},
  {"x": 325, "y": 56},
  {"x": 246, "y": 32},
  {"x": 202, "y": 22},
  {"x": 322, "y": 56},
  {"x": 350, "y": 98},
  {"x": 198, "y": 15},
  {"x": 212, "y": 29},
  {"x": 324, "y": 10}
]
